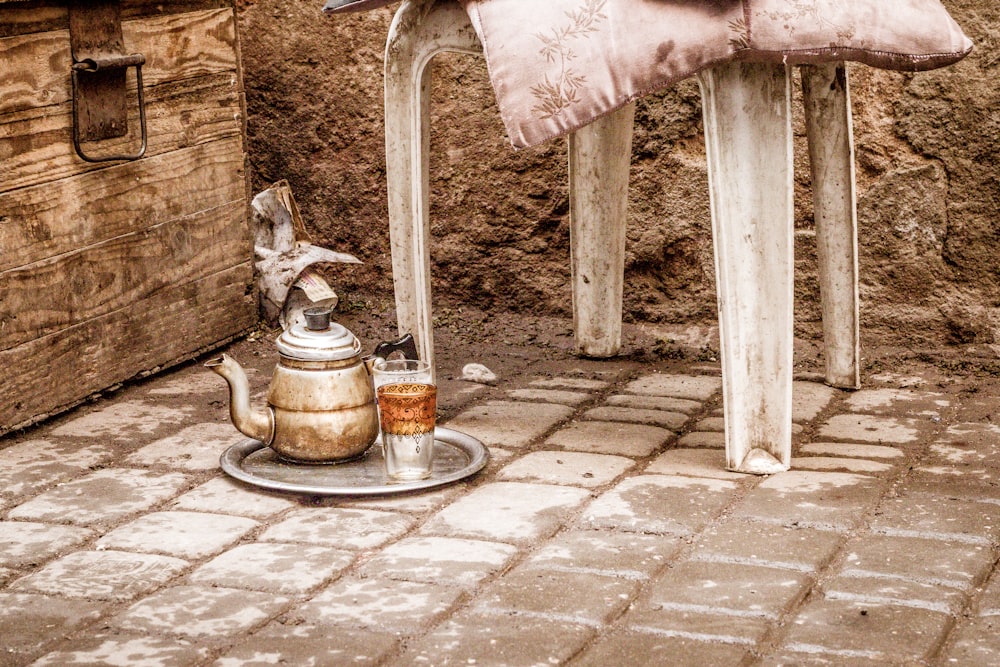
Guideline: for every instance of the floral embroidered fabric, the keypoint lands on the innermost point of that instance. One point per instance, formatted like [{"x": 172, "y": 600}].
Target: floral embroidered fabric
[{"x": 556, "y": 65}]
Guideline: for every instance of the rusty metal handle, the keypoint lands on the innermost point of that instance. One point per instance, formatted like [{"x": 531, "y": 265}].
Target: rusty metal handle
[
  {"x": 97, "y": 63},
  {"x": 103, "y": 64}
]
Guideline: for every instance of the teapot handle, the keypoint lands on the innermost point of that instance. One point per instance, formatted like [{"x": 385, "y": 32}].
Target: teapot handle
[{"x": 406, "y": 345}]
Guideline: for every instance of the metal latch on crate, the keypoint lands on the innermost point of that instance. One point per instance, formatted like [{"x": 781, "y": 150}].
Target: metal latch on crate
[{"x": 100, "y": 104}]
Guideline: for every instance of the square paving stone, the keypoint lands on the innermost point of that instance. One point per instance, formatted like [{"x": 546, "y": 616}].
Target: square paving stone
[
  {"x": 871, "y": 429},
  {"x": 862, "y": 630},
  {"x": 274, "y": 567},
  {"x": 660, "y": 504},
  {"x": 583, "y": 384},
  {"x": 125, "y": 421},
  {"x": 442, "y": 560},
  {"x": 901, "y": 380},
  {"x": 899, "y": 590},
  {"x": 194, "y": 448},
  {"x": 557, "y": 396},
  {"x": 938, "y": 516},
  {"x": 974, "y": 643},
  {"x": 890, "y": 401},
  {"x": 854, "y": 450},
  {"x": 225, "y": 496},
  {"x": 102, "y": 575},
  {"x": 968, "y": 480},
  {"x": 486, "y": 639},
  {"x": 643, "y": 648},
  {"x": 611, "y": 413},
  {"x": 976, "y": 442},
  {"x": 507, "y": 512},
  {"x": 692, "y": 387},
  {"x": 27, "y": 622},
  {"x": 573, "y": 468},
  {"x": 955, "y": 564},
  {"x": 793, "y": 659},
  {"x": 629, "y": 555},
  {"x": 411, "y": 503},
  {"x": 658, "y": 403},
  {"x": 511, "y": 424},
  {"x": 827, "y": 500},
  {"x": 693, "y": 463},
  {"x": 27, "y": 542},
  {"x": 127, "y": 652},
  {"x": 581, "y": 597},
  {"x": 966, "y": 459},
  {"x": 405, "y": 607},
  {"x": 703, "y": 439},
  {"x": 809, "y": 399},
  {"x": 200, "y": 611},
  {"x": 835, "y": 464},
  {"x": 188, "y": 381},
  {"x": 756, "y": 543},
  {"x": 610, "y": 438},
  {"x": 102, "y": 497},
  {"x": 716, "y": 626},
  {"x": 989, "y": 598},
  {"x": 279, "y": 644},
  {"x": 970, "y": 483},
  {"x": 28, "y": 467},
  {"x": 190, "y": 535},
  {"x": 728, "y": 588},
  {"x": 715, "y": 424},
  {"x": 344, "y": 528}
]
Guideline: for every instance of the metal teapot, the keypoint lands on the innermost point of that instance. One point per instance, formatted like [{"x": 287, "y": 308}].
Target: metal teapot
[{"x": 320, "y": 404}]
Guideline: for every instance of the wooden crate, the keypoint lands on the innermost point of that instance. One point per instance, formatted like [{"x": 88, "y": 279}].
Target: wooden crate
[{"x": 112, "y": 270}]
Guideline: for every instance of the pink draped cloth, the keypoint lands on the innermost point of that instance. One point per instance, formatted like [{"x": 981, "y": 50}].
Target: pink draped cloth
[{"x": 556, "y": 65}]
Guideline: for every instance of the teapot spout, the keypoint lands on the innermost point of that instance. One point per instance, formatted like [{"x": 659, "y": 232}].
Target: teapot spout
[{"x": 257, "y": 425}]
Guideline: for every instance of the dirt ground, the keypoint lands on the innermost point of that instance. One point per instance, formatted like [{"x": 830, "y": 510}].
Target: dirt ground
[
  {"x": 521, "y": 345},
  {"x": 927, "y": 186}
]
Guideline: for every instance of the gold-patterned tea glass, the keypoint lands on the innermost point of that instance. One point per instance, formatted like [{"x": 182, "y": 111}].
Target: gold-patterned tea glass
[{"x": 407, "y": 411}]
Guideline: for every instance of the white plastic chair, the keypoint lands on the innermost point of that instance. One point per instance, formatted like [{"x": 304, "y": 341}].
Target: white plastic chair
[{"x": 750, "y": 189}]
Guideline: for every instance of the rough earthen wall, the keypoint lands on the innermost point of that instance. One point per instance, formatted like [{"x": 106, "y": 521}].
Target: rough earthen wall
[{"x": 927, "y": 152}]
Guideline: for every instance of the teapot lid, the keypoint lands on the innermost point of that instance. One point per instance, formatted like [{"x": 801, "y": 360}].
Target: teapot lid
[{"x": 318, "y": 339}]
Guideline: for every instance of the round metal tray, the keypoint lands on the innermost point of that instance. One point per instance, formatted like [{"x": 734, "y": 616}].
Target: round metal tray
[{"x": 456, "y": 456}]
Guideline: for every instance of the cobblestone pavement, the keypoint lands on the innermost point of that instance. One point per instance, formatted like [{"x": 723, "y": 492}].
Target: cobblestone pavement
[{"x": 604, "y": 531}]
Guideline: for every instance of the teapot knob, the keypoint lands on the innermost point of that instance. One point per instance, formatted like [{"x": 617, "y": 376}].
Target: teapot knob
[{"x": 317, "y": 318}]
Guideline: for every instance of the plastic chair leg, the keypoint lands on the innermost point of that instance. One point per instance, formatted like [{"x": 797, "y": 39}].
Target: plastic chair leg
[
  {"x": 599, "y": 159},
  {"x": 416, "y": 35},
  {"x": 599, "y": 156},
  {"x": 748, "y": 140},
  {"x": 827, "y": 99}
]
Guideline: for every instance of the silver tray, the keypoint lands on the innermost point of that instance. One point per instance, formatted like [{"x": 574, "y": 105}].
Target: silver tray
[{"x": 456, "y": 456}]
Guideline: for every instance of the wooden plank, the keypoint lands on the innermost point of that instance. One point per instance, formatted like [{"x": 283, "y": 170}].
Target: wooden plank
[
  {"x": 46, "y": 220},
  {"x": 18, "y": 17},
  {"x": 36, "y": 145},
  {"x": 36, "y": 66},
  {"x": 44, "y": 297},
  {"x": 55, "y": 372}
]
